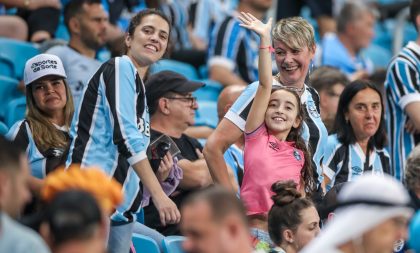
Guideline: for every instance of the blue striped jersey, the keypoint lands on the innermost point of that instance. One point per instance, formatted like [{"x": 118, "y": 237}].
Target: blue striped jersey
[
  {"x": 111, "y": 130},
  {"x": 344, "y": 163},
  {"x": 402, "y": 87},
  {"x": 177, "y": 12},
  {"x": 41, "y": 162},
  {"x": 314, "y": 132},
  {"x": 234, "y": 157},
  {"x": 235, "y": 48},
  {"x": 204, "y": 14}
]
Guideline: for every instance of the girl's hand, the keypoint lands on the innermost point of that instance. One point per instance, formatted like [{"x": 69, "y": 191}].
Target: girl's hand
[
  {"x": 252, "y": 23},
  {"x": 165, "y": 167}
]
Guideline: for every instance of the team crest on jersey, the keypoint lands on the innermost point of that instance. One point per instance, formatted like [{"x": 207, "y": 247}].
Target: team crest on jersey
[
  {"x": 312, "y": 109},
  {"x": 296, "y": 154},
  {"x": 398, "y": 245},
  {"x": 356, "y": 170}
]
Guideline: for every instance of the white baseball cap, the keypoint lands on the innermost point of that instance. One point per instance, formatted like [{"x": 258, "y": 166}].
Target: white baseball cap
[
  {"x": 365, "y": 203},
  {"x": 43, "y": 65}
]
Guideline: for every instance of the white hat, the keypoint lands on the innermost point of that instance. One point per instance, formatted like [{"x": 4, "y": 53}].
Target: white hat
[
  {"x": 362, "y": 205},
  {"x": 43, "y": 65}
]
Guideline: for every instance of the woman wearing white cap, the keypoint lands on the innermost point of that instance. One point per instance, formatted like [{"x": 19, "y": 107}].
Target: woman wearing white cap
[
  {"x": 49, "y": 111},
  {"x": 371, "y": 215}
]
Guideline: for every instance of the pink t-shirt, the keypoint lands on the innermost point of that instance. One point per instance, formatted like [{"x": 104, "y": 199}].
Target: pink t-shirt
[{"x": 266, "y": 161}]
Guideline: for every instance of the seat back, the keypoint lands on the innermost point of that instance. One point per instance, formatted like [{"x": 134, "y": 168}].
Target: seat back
[
  {"x": 182, "y": 68},
  {"x": 206, "y": 115},
  {"x": 173, "y": 244},
  {"x": 19, "y": 52},
  {"x": 144, "y": 244},
  {"x": 15, "y": 111},
  {"x": 8, "y": 92},
  {"x": 3, "y": 128}
]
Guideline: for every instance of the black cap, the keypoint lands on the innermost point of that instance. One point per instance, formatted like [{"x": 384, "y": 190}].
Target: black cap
[{"x": 165, "y": 81}]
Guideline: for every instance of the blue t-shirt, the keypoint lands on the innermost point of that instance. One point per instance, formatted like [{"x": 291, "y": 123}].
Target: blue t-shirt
[{"x": 333, "y": 53}]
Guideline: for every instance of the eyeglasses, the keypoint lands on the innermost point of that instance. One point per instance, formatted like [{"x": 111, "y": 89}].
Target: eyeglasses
[{"x": 190, "y": 100}]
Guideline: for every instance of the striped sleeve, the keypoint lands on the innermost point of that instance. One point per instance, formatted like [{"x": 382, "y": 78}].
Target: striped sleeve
[
  {"x": 225, "y": 43},
  {"x": 239, "y": 111},
  {"x": 405, "y": 77},
  {"x": 332, "y": 157},
  {"x": 121, "y": 94}
]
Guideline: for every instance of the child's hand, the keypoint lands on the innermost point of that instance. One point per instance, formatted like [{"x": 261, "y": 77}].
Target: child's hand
[{"x": 252, "y": 23}]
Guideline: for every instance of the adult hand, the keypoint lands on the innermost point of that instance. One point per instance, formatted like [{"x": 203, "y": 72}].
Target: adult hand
[
  {"x": 252, "y": 23},
  {"x": 168, "y": 211},
  {"x": 165, "y": 167},
  {"x": 36, "y": 4},
  {"x": 199, "y": 154}
]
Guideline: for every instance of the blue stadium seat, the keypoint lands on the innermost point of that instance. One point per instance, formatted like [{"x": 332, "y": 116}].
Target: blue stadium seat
[
  {"x": 379, "y": 55},
  {"x": 8, "y": 92},
  {"x": 19, "y": 52},
  {"x": 203, "y": 71},
  {"x": 210, "y": 92},
  {"x": 3, "y": 128},
  {"x": 173, "y": 244},
  {"x": 144, "y": 244},
  {"x": 7, "y": 67},
  {"x": 15, "y": 111},
  {"x": 206, "y": 115},
  {"x": 185, "y": 69}
]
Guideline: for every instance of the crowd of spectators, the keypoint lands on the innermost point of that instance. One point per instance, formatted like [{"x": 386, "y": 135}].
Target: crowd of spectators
[{"x": 314, "y": 149}]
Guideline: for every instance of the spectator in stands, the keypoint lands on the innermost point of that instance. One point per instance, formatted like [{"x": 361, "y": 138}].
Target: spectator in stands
[
  {"x": 44, "y": 131},
  {"x": 372, "y": 214},
  {"x": 294, "y": 46},
  {"x": 234, "y": 155},
  {"x": 293, "y": 221},
  {"x": 172, "y": 110},
  {"x": 111, "y": 128},
  {"x": 412, "y": 176},
  {"x": 14, "y": 193},
  {"x": 233, "y": 53},
  {"x": 329, "y": 82},
  {"x": 403, "y": 99},
  {"x": 355, "y": 25},
  {"x": 86, "y": 21},
  {"x": 73, "y": 222},
  {"x": 358, "y": 143},
  {"x": 214, "y": 220},
  {"x": 12, "y": 26},
  {"x": 320, "y": 10},
  {"x": 34, "y": 13}
]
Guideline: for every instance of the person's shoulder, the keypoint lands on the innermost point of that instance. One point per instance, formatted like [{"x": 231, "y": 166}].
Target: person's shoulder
[
  {"x": 333, "y": 140},
  {"x": 26, "y": 240},
  {"x": 58, "y": 50}
]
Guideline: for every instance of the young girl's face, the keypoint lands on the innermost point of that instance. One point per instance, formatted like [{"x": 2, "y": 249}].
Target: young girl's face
[{"x": 282, "y": 113}]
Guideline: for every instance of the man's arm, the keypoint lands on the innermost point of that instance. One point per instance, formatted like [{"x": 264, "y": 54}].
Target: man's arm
[
  {"x": 412, "y": 110},
  {"x": 219, "y": 141},
  {"x": 225, "y": 76},
  {"x": 195, "y": 174}
]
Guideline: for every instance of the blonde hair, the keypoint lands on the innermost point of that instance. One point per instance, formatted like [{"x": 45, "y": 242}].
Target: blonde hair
[
  {"x": 45, "y": 134},
  {"x": 295, "y": 32}
]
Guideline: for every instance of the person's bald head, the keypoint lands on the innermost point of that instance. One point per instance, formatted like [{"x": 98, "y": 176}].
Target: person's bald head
[{"x": 226, "y": 99}]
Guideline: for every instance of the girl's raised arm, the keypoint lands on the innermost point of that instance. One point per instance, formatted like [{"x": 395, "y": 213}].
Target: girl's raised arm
[{"x": 260, "y": 104}]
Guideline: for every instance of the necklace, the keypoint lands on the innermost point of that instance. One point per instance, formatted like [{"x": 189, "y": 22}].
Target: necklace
[{"x": 295, "y": 89}]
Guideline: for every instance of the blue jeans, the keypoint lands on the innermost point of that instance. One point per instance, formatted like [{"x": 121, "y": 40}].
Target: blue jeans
[
  {"x": 119, "y": 239},
  {"x": 150, "y": 232}
]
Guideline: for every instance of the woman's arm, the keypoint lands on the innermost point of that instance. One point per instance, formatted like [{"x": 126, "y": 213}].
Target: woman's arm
[{"x": 261, "y": 100}]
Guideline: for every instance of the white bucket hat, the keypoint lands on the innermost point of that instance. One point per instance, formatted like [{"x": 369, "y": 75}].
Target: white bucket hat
[
  {"x": 43, "y": 65},
  {"x": 362, "y": 205}
]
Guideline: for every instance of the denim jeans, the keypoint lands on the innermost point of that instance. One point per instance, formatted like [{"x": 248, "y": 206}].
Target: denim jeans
[{"x": 119, "y": 239}]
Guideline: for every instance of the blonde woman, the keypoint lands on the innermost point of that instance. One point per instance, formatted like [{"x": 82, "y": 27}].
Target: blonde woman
[{"x": 49, "y": 111}]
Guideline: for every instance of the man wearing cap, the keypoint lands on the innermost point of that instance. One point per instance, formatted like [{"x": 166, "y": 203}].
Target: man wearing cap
[
  {"x": 172, "y": 110},
  {"x": 370, "y": 216}
]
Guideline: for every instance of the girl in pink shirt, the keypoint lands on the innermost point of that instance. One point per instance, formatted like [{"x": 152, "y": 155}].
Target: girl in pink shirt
[{"x": 274, "y": 149}]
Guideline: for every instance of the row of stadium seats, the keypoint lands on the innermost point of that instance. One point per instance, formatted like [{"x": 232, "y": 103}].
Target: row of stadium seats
[{"x": 145, "y": 244}]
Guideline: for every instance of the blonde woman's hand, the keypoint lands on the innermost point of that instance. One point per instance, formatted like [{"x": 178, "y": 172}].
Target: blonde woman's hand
[{"x": 252, "y": 23}]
